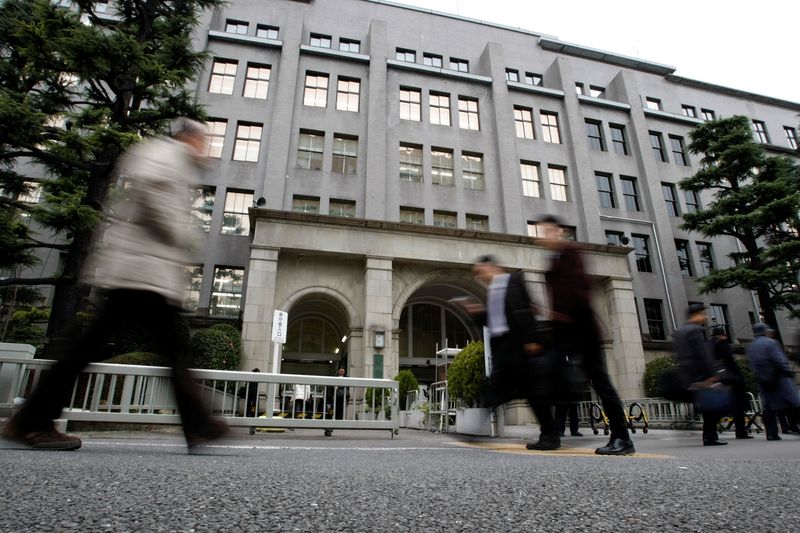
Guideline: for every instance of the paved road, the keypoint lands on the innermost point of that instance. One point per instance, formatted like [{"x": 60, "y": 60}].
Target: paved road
[{"x": 418, "y": 481}]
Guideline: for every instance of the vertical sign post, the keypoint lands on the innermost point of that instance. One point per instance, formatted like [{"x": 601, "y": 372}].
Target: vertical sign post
[{"x": 280, "y": 320}]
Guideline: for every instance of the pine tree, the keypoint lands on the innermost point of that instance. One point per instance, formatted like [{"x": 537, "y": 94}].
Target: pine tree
[
  {"x": 757, "y": 201},
  {"x": 76, "y": 89}
]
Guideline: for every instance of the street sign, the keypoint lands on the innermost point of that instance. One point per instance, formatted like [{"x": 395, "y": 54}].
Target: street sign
[{"x": 280, "y": 321}]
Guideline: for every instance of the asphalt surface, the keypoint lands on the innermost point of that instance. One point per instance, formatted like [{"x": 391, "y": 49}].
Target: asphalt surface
[{"x": 418, "y": 481}]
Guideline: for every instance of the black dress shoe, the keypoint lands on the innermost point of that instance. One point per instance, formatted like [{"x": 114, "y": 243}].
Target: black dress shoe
[
  {"x": 774, "y": 437},
  {"x": 744, "y": 436},
  {"x": 714, "y": 443},
  {"x": 544, "y": 445},
  {"x": 617, "y": 446},
  {"x": 576, "y": 434}
]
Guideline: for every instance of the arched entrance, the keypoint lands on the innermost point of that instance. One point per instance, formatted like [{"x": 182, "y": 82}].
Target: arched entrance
[
  {"x": 317, "y": 337},
  {"x": 429, "y": 322}
]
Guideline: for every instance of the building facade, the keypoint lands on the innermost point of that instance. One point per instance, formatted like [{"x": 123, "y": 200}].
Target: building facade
[{"x": 364, "y": 153}]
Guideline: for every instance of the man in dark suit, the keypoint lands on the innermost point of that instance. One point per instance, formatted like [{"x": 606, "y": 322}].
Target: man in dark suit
[
  {"x": 576, "y": 331},
  {"x": 719, "y": 346},
  {"x": 518, "y": 358},
  {"x": 696, "y": 366}
]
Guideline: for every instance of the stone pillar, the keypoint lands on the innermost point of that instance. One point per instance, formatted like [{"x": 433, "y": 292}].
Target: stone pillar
[
  {"x": 625, "y": 359},
  {"x": 259, "y": 305},
  {"x": 378, "y": 316}
]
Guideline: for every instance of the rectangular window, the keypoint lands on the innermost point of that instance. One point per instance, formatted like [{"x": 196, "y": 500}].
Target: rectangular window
[
  {"x": 708, "y": 114},
  {"x": 630, "y": 193},
  {"x": 719, "y": 317},
  {"x": 614, "y": 238},
  {"x": 235, "y": 220},
  {"x": 472, "y": 171},
  {"x": 194, "y": 281},
  {"x": 236, "y": 26},
  {"x": 319, "y": 40},
  {"x": 468, "y": 113},
  {"x": 655, "y": 319},
  {"x": 791, "y": 136},
  {"x": 347, "y": 94},
  {"x": 305, "y": 204},
  {"x": 403, "y": 54},
  {"x": 410, "y": 162},
  {"x": 618, "y": 139},
  {"x": 706, "y": 257},
  {"x": 689, "y": 111},
  {"x": 342, "y": 208},
  {"x": 216, "y": 129},
  {"x": 412, "y": 215},
  {"x": 309, "y": 149},
  {"x": 267, "y": 32},
  {"x": 512, "y": 75},
  {"x": 316, "y": 90},
  {"x": 671, "y": 199},
  {"x": 579, "y": 90},
  {"x": 477, "y": 222},
  {"x": 523, "y": 120},
  {"x": 226, "y": 294},
  {"x": 678, "y": 150},
  {"x": 444, "y": 219},
  {"x": 531, "y": 179},
  {"x": 760, "y": 131},
  {"x": 594, "y": 131},
  {"x": 442, "y": 166},
  {"x": 597, "y": 92},
  {"x": 653, "y": 103},
  {"x": 605, "y": 189},
  {"x": 223, "y": 76},
  {"x": 533, "y": 229},
  {"x": 202, "y": 208},
  {"x": 641, "y": 245},
  {"x": 461, "y": 65},
  {"x": 550, "y": 132},
  {"x": 684, "y": 257},
  {"x": 439, "y": 108},
  {"x": 657, "y": 143},
  {"x": 350, "y": 45},
  {"x": 256, "y": 83},
  {"x": 410, "y": 104},
  {"x": 558, "y": 183},
  {"x": 248, "y": 141},
  {"x": 345, "y": 154},
  {"x": 531, "y": 78},
  {"x": 432, "y": 60},
  {"x": 692, "y": 201}
]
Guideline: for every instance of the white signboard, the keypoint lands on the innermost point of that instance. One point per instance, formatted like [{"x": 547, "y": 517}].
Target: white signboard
[{"x": 280, "y": 321}]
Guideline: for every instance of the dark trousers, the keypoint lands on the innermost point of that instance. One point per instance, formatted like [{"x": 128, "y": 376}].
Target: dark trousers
[
  {"x": 564, "y": 410},
  {"x": 740, "y": 406},
  {"x": 146, "y": 309},
  {"x": 595, "y": 370},
  {"x": 773, "y": 416},
  {"x": 514, "y": 376},
  {"x": 710, "y": 421}
]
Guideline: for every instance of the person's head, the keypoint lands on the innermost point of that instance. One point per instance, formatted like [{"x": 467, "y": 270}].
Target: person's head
[
  {"x": 551, "y": 232},
  {"x": 697, "y": 313},
  {"x": 255, "y": 370},
  {"x": 718, "y": 331},
  {"x": 762, "y": 329},
  {"x": 340, "y": 372},
  {"x": 193, "y": 133},
  {"x": 485, "y": 268}
]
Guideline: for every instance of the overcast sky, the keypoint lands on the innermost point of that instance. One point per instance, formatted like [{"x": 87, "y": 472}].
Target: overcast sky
[{"x": 752, "y": 46}]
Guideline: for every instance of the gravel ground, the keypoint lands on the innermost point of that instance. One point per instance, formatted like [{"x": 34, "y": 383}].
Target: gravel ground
[{"x": 416, "y": 482}]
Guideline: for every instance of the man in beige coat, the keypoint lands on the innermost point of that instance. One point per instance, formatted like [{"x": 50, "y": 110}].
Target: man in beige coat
[{"x": 138, "y": 263}]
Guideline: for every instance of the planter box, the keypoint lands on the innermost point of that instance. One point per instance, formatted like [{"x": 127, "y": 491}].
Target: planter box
[
  {"x": 412, "y": 419},
  {"x": 474, "y": 421}
]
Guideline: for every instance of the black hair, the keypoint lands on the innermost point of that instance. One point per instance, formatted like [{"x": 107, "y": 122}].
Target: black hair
[
  {"x": 550, "y": 219},
  {"x": 486, "y": 260}
]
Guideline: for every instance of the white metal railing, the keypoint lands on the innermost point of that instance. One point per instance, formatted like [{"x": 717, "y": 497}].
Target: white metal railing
[
  {"x": 442, "y": 409},
  {"x": 132, "y": 393}
]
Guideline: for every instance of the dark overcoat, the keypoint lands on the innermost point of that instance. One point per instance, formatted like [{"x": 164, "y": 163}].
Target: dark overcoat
[{"x": 773, "y": 373}]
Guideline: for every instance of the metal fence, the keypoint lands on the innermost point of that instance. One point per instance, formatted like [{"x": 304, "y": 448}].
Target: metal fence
[{"x": 131, "y": 393}]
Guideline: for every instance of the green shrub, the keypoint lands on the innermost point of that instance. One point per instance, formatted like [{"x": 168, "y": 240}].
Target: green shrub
[
  {"x": 139, "y": 358},
  {"x": 652, "y": 372},
  {"x": 217, "y": 348},
  {"x": 136, "y": 338},
  {"x": 381, "y": 400},
  {"x": 408, "y": 382},
  {"x": 466, "y": 377},
  {"x": 28, "y": 327}
]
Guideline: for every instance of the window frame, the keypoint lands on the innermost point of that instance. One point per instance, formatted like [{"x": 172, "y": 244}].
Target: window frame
[
  {"x": 314, "y": 94},
  {"x": 659, "y": 151},
  {"x": 524, "y": 124},
  {"x": 237, "y": 203},
  {"x": 642, "y": 253},
  {"x": 347, "y": 158},
  {"x": 261, "y": 84},
  {"x": 407, "y": 161},
  {"x": 594, "y": 134},
  {"x": 558, "y": 189},
  {"x": 246, "y": 143},
  {"x": 438, "y": 170},
  {"x": 678, "y": 147},
  {"x": 437, "y": 110},
  {"x": 473, "y": 165},
  {"x": 549, "y": 123},
  {"x": 410, "y": 104},
  {"x": 308, "y": 151},
  {"x": 605, "y": 190},
  {"x": 467, "y": 117},
  {"x": 669, "y": 192},
  {"x": 626, "y": 195},
  {"x": 223, "y": 82},
  {"x": 531, "y": 182},
  {"x": 344, "y": 98}
]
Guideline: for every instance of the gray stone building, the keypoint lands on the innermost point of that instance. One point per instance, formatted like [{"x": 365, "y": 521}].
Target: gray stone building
[{"x": 365, "y": 152}]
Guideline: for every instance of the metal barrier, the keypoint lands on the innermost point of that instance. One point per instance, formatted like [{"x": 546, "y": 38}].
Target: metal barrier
[
  {"x": 132, "y": 393},
  {"x": 442, "y": 408}
]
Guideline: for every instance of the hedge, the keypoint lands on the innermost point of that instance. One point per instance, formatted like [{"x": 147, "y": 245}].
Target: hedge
[{"x": 217, "y": 348}]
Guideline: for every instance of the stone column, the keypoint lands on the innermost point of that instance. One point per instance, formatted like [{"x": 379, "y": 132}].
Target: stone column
[
  {"x": 625, "y": 359},
  {"x": 378, "y": 316},
  {"x": 259, "y": 305}
]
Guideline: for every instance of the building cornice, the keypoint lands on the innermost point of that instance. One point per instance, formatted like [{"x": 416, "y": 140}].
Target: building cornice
[
  {"x": 674, "y": 117},
  {"x": 336, "y": 54},
  {"x": 214, "y": 35},
  {"x": 436, "y": 71},
  {"x": 794, "y": 106},
  {"x": 536, "y": 89},
  {"x": 603, "y": 102},
  {"x": 577, "y": 50}
]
